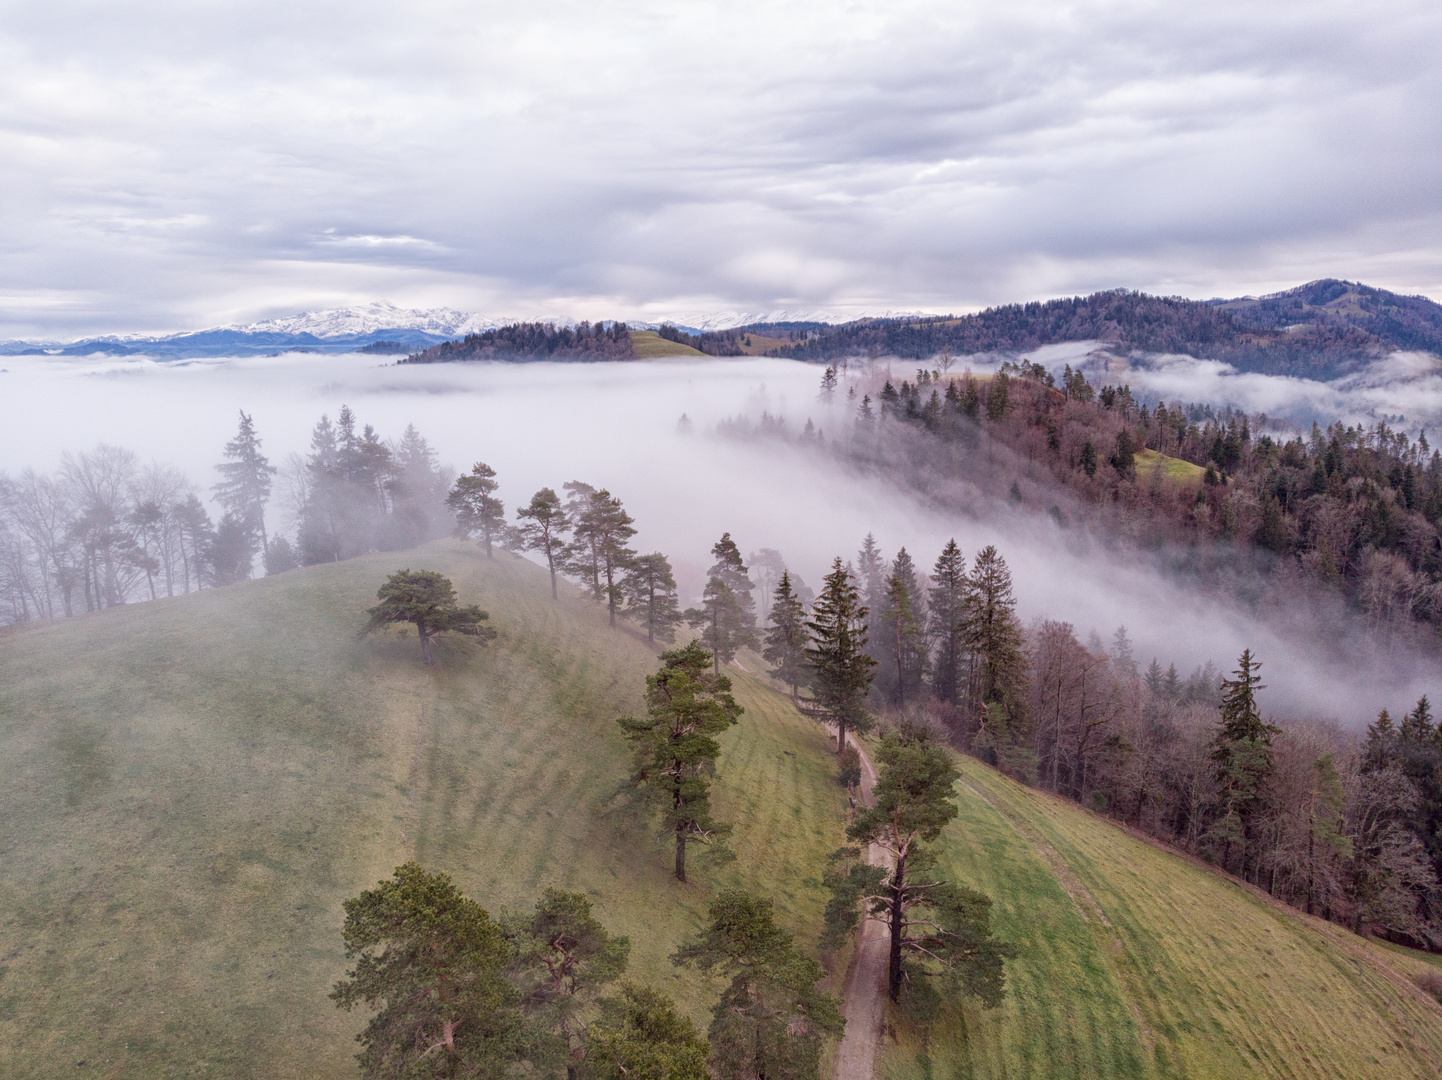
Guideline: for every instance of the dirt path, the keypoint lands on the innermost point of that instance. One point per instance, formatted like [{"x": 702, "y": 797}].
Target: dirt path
[{"x": 865, "y": 993}]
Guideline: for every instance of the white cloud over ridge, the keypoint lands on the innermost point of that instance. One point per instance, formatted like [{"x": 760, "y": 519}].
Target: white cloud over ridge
[{"x": 168, "y": 166}]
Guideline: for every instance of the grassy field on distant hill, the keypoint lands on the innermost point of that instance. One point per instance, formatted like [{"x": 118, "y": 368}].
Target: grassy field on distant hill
[
  {"x": 189, "y": 788},
  {"x": 650, "y": 345},
  {"x": 1174, "y": 469},
  {"x": 1137, "y": 962}
]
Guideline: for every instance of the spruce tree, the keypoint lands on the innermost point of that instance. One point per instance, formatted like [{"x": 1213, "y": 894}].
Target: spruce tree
[
  {"x": 842, "y": 670},
  {"x": 1242, "y": 750},
  {"x": 543, "y": 529},
  {"x": 245, "y": 487},
  {"x": 651, "y": 600},
  {"x": 1417, "y": 730},
  {"x": 785, "y": 645},
  {"x": 946, "y": 623},
  {"x": 676, "y": 747},
  {"x": 903, "y": 641},
  {"x": 477, "y": 510},
  {"x": 993, "y": 636}
]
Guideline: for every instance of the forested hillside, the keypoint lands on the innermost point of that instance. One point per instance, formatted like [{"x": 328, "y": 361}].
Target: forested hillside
[
  {"x": 535, "y": 341},
  {"x": 1317, "y": 331}
]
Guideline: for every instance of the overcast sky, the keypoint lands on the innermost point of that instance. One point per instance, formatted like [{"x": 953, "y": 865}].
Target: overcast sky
[{"x": 176, "y": 165}]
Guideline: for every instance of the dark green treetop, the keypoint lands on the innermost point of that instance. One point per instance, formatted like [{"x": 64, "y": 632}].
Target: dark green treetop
[{"x": 428, "y": 601}]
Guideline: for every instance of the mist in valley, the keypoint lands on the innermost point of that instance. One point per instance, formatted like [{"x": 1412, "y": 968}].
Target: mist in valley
[{"x": 618, "y": 426}]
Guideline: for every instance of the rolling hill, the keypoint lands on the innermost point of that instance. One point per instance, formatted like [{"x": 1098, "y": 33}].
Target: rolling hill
[
  {"x": 190, "y": 787},
  {"x": 1139, "y": 962}
]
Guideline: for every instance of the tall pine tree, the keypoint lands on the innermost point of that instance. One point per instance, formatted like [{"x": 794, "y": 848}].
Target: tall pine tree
[
  {"x": 676, "y": 747},
  {"x": 726, "y": 618},
  {"x": 477, "y": 510},
  {"x": 650, "y": 589},
  {"x": 993, "y": 637},
  {"x": 543, "y": 529}
]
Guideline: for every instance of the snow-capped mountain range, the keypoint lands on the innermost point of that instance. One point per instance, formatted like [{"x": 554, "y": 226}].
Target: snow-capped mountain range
[{"x": 347, "y": 328}]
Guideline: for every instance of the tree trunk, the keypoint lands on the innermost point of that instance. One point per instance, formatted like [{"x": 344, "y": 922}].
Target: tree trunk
[
  {"x": 425, "y": 643},
  {"x": 681, "y": 853},
  {"x": 898, "y": 882},
  {"x": 840, "y": 735}
]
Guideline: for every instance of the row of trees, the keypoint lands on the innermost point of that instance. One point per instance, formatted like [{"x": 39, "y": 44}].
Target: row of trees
[
  {"x": 107, "y": 530},
  {"x": 1342, "y": 827}
]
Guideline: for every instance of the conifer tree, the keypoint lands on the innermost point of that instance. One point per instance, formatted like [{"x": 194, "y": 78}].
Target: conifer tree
[
  {"x": 245, "y": 487},
  {"x": 651, "y": 600},
  {"x": 428, "y": 601},
  {"x": 770, "y": 1021},
  {"x": 842, "y": 670},
  {"x": 1154, "y": 679},
  {"x": 543, "y": 529},
  {"x": 1380, "y": 749},
  {"x": 935, "y": 926},
  {"x": 903, "y": 643},
  {"x": 676, "y": 747},
  {"x": 432, "y": 962},
  {"x": 477, "y": 510},
  {"x": 993, "y": 635},
  {"x": 946, "y": 624},
  {"x": 641, "y": 1036},
  {"x": 1417, "y": 730},
  {"x": 786, "y": 639},
  {"x": 1242, "y": 750},
  {"x": 726, "y": 618},
  {"x": 602, "y": 531}
]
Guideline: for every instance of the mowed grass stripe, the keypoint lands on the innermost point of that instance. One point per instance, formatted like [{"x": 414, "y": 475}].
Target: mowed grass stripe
[
  {"x": 1229, "y": 983},
  {"x": 188, "y": 789}
]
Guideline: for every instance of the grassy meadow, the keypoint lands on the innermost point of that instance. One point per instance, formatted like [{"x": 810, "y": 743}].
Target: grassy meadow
[
  {"x": 1173, "y": 469},
  {"x": 649, "y": 345},
  {"x": 1137, "y": 962},
  {"x": 189, "y": 788}
]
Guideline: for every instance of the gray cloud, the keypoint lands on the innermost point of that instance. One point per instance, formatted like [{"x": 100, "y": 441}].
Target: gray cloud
[{"x": 170, "y": 165}]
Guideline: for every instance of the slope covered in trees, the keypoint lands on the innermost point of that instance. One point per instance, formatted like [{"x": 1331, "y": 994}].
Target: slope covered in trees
[
  {"x": 1318, "y": 330},
  {"x": 535, "y": 341}
]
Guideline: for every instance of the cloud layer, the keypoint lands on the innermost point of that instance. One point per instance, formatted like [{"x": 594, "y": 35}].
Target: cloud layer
[{"x": 169, "y": 165}]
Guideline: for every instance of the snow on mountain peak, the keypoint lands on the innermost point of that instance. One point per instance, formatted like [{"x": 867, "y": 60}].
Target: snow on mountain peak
[{"x": 369, "y": 318}]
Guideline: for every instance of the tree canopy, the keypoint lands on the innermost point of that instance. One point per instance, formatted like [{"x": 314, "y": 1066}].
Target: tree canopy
[{"x": 427, "y": 600}]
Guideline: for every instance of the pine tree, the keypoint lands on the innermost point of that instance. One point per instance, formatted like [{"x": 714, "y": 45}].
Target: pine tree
[
  {"x": 935, "y": 926},
  {"x": 428, "y": 601},
  {"x": 1240, "y": 718},
  {"x": 997, "y": 396},
  {"x": 245, "y": 487},
  {"x": 770, "y": 1021},
  {"x": 543, "y": 529},
  {"x": 1242, "y": 750},
  {"x": 946, "y": 624},
  {"x": 726, "y": 618},
  {"x": 433, "y": 962},
  {"x": 676, "y": 747},
  {"x": 786, "y": 639},
  {"x": 600, "y": 548},
  {"x": 476, "y": 507},
  {"x": 651, "y": 600},
  {"x": 642, "y": 1036},
  {"x": 1154, "y": 679},
  {"x": 842, "y": 670}
]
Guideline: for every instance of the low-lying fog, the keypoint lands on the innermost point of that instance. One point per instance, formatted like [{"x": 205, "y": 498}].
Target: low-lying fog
[{"x": 615, "y": 426}]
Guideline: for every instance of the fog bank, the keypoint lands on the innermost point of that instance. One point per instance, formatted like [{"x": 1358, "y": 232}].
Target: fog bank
[{"x": 615, "y": 425}]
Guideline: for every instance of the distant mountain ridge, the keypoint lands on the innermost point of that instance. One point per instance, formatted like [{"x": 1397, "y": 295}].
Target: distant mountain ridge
[{"x": 1319, "y": 330}]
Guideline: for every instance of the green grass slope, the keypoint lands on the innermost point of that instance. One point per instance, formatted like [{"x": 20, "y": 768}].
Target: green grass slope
[
  {"x": 1137, "y": 962},
  {"x": 189, "y": 788},
  {"x": 650, "y": 345}
]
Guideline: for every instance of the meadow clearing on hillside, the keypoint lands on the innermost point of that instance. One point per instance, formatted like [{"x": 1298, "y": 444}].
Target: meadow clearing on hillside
[
  {"x": 189, "y": 788},
  {"x": 1138, "y": 962}
]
